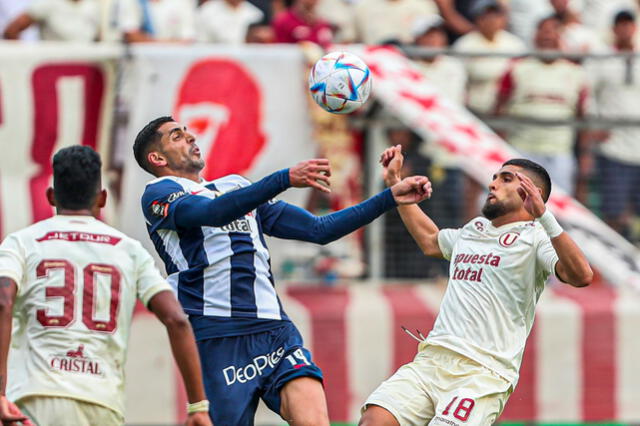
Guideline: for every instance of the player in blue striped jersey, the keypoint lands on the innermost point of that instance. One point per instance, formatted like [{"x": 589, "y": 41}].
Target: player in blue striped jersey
[{"x": 210, "y": 236}]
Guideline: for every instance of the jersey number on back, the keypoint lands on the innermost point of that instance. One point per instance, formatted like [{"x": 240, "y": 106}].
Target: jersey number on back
[{"x": 88, "y": 294}]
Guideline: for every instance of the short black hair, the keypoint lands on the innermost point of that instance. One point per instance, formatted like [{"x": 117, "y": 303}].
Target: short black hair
[
  {"x": 624, "y": 16},
  {"x": 76, "y": 177},
  {"x": 148, "y": 136},
  {"x": 535, "y": 168}
]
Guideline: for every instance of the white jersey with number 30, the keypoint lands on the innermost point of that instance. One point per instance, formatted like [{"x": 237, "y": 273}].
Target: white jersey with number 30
[
  {"x": 78, "y": 280},
  {"x": 495, "y": 279}
]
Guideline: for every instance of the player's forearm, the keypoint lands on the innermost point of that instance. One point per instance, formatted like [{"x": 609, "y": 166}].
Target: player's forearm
[
  {"x": 185, "y": 352},
  {"x": 299, "y": 224},
  {"x": 572, "y": 266},
  {"x": 423, "y": 230},
  {"x": 7, "y": 296},
  {"x": 226, "y": 208}
]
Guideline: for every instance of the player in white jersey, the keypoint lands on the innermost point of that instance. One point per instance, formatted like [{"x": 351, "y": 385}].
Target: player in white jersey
[
  {"x": 468, "y": 365},
  {"x": 72, "y": 282}
]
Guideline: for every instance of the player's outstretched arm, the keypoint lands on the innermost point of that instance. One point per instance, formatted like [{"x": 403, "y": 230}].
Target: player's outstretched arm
[
  {"x": 9, "y": 413},
  {"x": 572, "y": 266},
  {"x": 168, "y": 202},
  {"x": 423, "y": 230},
  {"x": 284, "y": 220},
  {"x": 183, "y": 345}
]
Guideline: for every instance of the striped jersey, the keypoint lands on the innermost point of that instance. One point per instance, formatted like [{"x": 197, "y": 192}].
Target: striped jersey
[
  {"x": 221, "y": 275},
  {"x": 78, "y": 281}
]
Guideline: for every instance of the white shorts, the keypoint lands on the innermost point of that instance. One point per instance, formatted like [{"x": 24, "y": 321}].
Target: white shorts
[
  {"x": 442, "y": 387},
  {"x": 57, "y": 411}
]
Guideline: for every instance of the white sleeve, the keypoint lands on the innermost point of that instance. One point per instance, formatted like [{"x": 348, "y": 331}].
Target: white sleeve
[
  {"x": 39, "y": 10},
  {"x": 149, "y": 281},
  {"x": 446, "y": 240},
  {"x": 546, "y": 256},
  {"x": 12, "y": 259}
]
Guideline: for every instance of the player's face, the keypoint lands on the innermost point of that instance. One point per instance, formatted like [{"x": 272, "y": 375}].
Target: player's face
[
  {"x": 504, "y": 193},
  {"x": 179, "y": 149}
]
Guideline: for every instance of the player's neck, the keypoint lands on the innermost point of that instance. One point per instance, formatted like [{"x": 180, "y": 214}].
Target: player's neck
[
  {"x": 517, "y": 216},
  {"x": 68, "y": 212}
]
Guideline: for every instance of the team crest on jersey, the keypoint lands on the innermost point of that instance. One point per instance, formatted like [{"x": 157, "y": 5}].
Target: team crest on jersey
[
  {"x": 159, "y": 209},
  {"x": 75, "y": 361},
  {"x": 508, "y": 238}
]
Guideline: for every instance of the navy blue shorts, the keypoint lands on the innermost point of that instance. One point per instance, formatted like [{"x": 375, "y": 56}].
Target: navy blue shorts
[{"x": 239, "y": 370}]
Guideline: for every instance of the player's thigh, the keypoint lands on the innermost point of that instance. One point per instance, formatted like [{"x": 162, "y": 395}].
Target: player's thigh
[
  {"x": 404, "y": 395},
  {"x": 295, "y": 383},
  {"x": 303, "y": 402},
  {"x": 56, "y": 411},
  {"x": 231, "y": 379}
]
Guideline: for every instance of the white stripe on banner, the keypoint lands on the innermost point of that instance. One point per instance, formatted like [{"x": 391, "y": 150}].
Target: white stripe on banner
[
  {"x": 627, "y": 307},
  {"x": 558, "y": 358},
  {"x": 369, "y": 343}
]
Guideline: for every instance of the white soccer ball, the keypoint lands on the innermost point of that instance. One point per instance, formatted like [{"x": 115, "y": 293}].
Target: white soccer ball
[{"x": 340, "y": 82}]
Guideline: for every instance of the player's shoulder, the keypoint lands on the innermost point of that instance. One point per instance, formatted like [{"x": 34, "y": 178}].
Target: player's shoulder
[
  {"x": 477, "y": 224},
  {"x": 167, "y": 188}
]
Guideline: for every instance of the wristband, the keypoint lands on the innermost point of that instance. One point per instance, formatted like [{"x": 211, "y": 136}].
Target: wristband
[
  {"x": 198, "y": 407},
  {"x": 550, "y": 224}
]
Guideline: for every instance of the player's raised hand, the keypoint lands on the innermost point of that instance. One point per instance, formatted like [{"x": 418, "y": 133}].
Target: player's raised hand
[
  {"x": 11, "y": 415},
  {"x": 199, "y": 419},
  {"x": 311, "y": 173},
  {"x": 392, "y": 160},
  {"x": 531, "y": 195},
  {"x": 412, "y": 190}
]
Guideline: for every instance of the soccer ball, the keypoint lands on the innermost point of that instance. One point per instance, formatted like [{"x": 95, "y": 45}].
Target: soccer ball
[{"x": 340, "y": 82}]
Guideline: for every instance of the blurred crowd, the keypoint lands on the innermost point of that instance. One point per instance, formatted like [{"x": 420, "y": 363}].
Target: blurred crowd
[{"x": 601, "y": 167}]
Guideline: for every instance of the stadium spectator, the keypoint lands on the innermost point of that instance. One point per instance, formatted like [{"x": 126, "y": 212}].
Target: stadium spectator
[
  {"x": 490, "y": 36},
  {"x": 210, "y": 236},
  {"x": 157, "y": 20},
  {"x": 340, "y": 13},
  {"x": 226, "y": 21},
  {"x": 459, "y": 16},
  {"x": 617, "y": 95},
  {"x": 468, "y": 365},
  {"x": 575, "y": 36},
  {"x": 546, "y": 88},
  {"x": 300, "y": 22},
  {"x": 598, "y": 14},
  {"x": 9, "y": 10},
  {"x": 260, "y": 33},
  {"x": 447, "y": 73},
  {"x": 449, "y": 76},
  {"x": 72, "y": 283},
  {"x": 382, "y": 21},
  {"x": 59, "y": 20},
  {"x": 524, "y": 15}
]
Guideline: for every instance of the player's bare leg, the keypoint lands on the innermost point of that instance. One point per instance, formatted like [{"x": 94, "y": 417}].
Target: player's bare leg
[
  {"x": 377, "y": 416},
  {"x": 304, "y": 403}
]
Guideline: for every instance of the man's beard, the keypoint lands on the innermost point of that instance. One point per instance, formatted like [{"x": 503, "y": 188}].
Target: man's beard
[{"x": 494, "y": 210}]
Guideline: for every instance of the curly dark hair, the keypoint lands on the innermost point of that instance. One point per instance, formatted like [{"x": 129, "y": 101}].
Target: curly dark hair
[
  {"x": 541, "y": 176},
  {"x": 76, "y": 177}
]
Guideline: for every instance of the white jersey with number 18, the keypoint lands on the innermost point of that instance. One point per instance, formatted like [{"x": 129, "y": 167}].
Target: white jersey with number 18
[
  {"x": 78, "y": 280},
  {"x": 495, "y": 279}
]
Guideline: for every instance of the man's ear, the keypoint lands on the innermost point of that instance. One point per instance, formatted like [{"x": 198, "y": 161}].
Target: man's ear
[
  {"x": 156, "y": 159},
  {"x": 102, "y": 198},
  {"x": 51, "y": 197}
]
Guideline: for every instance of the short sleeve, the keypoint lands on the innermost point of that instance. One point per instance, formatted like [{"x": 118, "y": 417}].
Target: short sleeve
[
  {"x": 159, "y": 203},
  {"x": 12, "y": 259},
  {"x": 446, "y": 240},
  {"x": 546, "y": 256},
  {"x": 40, "y": 10},
  {"x": 149, "y": 281}
]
